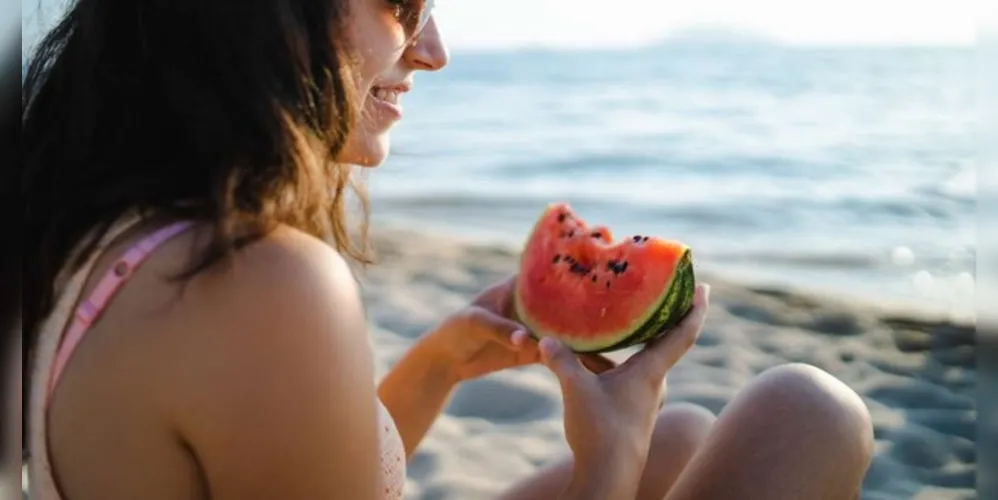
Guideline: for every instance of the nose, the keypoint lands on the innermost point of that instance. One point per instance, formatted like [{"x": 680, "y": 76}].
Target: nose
[{"x": 428, "y": 52}]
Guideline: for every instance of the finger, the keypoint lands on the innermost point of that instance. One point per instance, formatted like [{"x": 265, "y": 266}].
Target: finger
[
  {"x": 520, "y": 338},
  {"x": 492, "y": 360},
  {"x": 658, "y": 356},
  {"x": 562, "y": 361},
  {"x": 597, "y": 363},
  {"x": 499, "y": 329},
  {"x": 498, "y": 296},
  {"x": 529, "y": 355},
  {"x": 665, "y": 351}
]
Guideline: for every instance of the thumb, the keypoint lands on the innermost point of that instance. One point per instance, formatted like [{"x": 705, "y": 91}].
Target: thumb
[{"x": 561, "y": 360}]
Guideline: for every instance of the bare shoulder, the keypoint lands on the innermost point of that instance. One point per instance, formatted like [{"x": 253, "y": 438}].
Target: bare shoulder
[
  {"x": 276, "y": 392},
  {"x": 288, "y": 258},
  {"x": 287, "y": 291}
]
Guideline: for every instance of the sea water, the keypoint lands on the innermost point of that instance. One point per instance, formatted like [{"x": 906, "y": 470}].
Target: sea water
[{"x": 850, "y": 170}]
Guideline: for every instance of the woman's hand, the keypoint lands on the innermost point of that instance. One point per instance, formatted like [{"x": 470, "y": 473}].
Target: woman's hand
[
  {"x": 479, "y": 339},
  {"x": 485, "y": 337},
  {"x": 610, "y": 417}
]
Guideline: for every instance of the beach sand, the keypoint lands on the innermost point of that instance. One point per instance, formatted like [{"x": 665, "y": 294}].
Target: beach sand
[{"x": 916, "y": 374}]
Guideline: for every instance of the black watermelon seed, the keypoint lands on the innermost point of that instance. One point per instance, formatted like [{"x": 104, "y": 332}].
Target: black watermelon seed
[
  {"x": 557, "y": 258},
  {"x": 637, "y": 239},
  {"x": 594, "y": 278},
  {"x": 561, "y": 217},
  {"x": 616, "y": 266},
  {"x": 644, "y": 239}
]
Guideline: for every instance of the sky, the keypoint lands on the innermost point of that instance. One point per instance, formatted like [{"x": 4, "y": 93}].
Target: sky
[{"x": 492, "y": 24}]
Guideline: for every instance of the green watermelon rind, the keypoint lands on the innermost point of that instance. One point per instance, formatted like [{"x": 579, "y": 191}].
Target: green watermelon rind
[{"x": 675, "y": 304}]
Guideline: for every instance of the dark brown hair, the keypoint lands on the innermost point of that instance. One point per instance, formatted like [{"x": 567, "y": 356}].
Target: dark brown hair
[{"x": 206, "y": 110}]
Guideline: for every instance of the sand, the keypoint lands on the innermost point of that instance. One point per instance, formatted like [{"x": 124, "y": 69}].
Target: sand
[{"x": 916, "y": 374}]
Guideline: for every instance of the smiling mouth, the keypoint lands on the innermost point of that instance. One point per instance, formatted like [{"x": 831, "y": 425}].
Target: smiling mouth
[{"x": 387, "y": 95}]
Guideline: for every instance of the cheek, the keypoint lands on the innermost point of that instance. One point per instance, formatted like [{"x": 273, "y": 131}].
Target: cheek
[{"x": 379, "y": 40}]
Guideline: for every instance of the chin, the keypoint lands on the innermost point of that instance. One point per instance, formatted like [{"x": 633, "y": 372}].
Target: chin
[{"x": 366, "y": 151}]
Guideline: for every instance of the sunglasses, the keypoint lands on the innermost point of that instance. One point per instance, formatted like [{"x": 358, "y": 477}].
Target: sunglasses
[{"x": 413, "y": 15}]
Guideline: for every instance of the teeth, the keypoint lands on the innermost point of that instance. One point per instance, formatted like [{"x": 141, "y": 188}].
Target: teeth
[{"x": 386, "y": 95}]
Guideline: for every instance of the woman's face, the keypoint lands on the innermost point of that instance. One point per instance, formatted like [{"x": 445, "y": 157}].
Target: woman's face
[{"x": 391, "y": 47}]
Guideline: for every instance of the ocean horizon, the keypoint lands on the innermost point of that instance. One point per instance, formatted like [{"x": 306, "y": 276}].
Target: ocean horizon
[{"x": 841, "y": 169}]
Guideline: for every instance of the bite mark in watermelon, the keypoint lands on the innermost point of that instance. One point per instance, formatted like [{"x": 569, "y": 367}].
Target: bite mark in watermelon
[{"x": 594, "y": 294}]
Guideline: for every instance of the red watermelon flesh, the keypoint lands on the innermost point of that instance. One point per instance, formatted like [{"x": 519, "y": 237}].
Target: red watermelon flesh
[{"x": 595, "y": 294}]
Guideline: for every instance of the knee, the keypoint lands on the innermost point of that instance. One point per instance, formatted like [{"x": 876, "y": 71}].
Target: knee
[
  {"x": 819, "y": 407},
  {"x": 683, "y": 425}
]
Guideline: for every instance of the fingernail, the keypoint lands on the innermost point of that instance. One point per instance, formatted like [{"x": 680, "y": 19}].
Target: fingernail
[
  {"x": 519, "y": 337},
  {"x": 706, "y": 291},
  {"x": 547, "y": 345}
]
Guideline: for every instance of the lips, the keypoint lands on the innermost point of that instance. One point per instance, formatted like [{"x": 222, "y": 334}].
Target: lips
[
  {"x": 388, "y": 95},
  {"x": 386, "y": 98}
]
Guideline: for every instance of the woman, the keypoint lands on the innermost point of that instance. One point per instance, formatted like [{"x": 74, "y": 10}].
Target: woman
[{"x": 191, "y": 324}]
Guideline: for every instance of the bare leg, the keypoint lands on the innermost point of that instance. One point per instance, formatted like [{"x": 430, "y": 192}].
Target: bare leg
[
  {"x": 679, "y": 431},
  {"x": 796, "y": 432}
]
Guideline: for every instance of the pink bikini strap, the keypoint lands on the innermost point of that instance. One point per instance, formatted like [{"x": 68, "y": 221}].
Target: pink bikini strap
[{"x": 91, "y": 308}]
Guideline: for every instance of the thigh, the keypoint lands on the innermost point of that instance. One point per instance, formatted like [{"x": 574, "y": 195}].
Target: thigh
[{"x": 793, "y": 433}]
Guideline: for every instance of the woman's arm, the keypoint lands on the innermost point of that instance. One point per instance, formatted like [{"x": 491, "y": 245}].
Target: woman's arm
[
  {"x": 614, "y": 472},
  {"x": 415, "y": 391},
  {"x": 476, "y": 341},
  {"x": 473, "y": 342}
]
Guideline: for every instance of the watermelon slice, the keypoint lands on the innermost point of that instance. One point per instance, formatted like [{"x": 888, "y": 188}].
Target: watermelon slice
[{"x": 594, "y": 294}]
